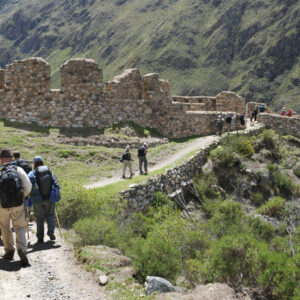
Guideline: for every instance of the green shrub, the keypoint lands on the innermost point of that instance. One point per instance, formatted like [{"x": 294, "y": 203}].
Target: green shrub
[
  {"x": 280, "y": 244},
  {"x": 160, "y": 199},
  {"x": 273, "y": 208},
  {"x": 258, "y": 198},
  {"x": 297, "y": 171},
  {"x": 234, "y": 259},
  {"x": 270, "y": 139},
  {"x": 261, "y": 229},
  {"x": 240, "y": 144},
  {"x": 96, "y": 231},
  {"x": 193, "y": 270},
  {"x": 78, "y": 203},
  {"x": 278, "y": 275},
  {"x": 206, "y": 186},
  {"x": 224, "y": 157},
  {"x": 227, "y": 218},
  {"x": 283, "y": 184}
]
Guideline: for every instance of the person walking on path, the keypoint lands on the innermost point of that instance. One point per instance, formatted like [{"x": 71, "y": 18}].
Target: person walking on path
[
  {"x": 228, "y": 120},
  {"x": 14, "y": 187},
  {"x": 142, "y": 152},
  {"x": 219, "y": 125},
  {"x": 21, "y": 162},
  {"x": 42, "y": 180},
  {"x": 242, "y": 120},
  {"x": 127, "y": 162}
]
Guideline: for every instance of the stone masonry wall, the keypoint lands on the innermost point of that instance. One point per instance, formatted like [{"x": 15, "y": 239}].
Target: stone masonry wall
[
  {"x": 282, "y": 124},
  {"x": 85, "y": 101},
  {"x": 139, "y": 197}
]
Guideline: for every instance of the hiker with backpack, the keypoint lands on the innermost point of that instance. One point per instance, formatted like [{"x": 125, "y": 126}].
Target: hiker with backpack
[
  {"x": 242, "y": 120},
  {"x": 219, "y": 125},
  {"x": 21, "y": 162},
  {"x": 126, "y": 159},
  {"x": 228, "y": 121},
  {"x": 43, "y": 182},
  {"x": 142, "y": 152},
  {"x": 14, "y": 186}
]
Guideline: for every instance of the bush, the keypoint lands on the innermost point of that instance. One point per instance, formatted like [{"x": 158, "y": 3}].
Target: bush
[
  {"x": 258, "y": 198},
  {"x": 234, "y": 260},
  {"x": 224, "y": 157},
  {"x": 227, "y": 218},
  {"x": 206, "y": 186},
  {"x": 278, "y": 275},
  {"x": 193, "y": 270},
  {"x": 160, "y": 199},
  {"x": 273, "y": 208},
  {"x": 297, "y": 171},
  {"x": 261, "y": 229},
  {"x": 96, "y": 231},
  {"x": 270, "y": 139},
  {"x": 241, "y": 145},
  {"x": 283, "y": 184}
]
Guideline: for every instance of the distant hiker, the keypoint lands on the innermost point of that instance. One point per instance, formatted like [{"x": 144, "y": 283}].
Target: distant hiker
[
  {"x": 219, "y": 124},
  {"x": 142, "y": 152},
  {"x": 283, "y": 112},
  {"x": 262, "y": 108},
  {"x": 14, "y": 186},
  {"x": 21, "y": 162},
  {"x": 242, "y": 120},
  {"x": 126, "y": 158},
  {"x": 255, "y": 112},
  {"x": 228, "y": 121},
  {"x": 289, "y": 113},
  {"x": 43, "y": 180}
]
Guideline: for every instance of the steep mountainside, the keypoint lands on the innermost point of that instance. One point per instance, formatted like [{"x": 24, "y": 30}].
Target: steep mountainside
[{"x": 201, "y": 46}]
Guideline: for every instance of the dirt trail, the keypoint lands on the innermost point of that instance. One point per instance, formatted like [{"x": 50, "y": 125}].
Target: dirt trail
[
  {"x": 196, "y": 144},
  {"x": 53, "y": 275},
  {"x": 191, "y": 146}
]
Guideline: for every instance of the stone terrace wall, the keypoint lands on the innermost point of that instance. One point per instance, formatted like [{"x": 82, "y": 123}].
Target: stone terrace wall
[
  {"x": 282, "y": 124},
  {"x": 139, "y": 197},
  {"x": 85, "y": 101}
]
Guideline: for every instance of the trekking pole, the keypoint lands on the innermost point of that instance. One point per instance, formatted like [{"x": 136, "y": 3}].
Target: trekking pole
[
  {"x": 58, "y": 222},
  {"x": 27, "y": 229}
]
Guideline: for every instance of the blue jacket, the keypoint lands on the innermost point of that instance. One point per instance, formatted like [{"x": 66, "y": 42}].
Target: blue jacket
[{"x": 35, "y": 196}]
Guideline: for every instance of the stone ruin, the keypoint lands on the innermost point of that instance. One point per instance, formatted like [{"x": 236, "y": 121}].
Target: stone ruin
[{"x": 84, "y": 100}]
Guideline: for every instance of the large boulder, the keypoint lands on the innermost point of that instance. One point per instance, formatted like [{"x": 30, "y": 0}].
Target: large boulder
[{"x": 158, "y": 284}]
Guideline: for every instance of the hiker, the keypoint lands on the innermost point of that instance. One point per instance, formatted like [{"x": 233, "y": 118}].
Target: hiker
[
  {"x": 42, "y": 180},
  {"x": 262, "y": 108},
  {"x": 289, "y": 113},
  {"x": 255, "y": 112},
  {"x": 283, "y": 112},
  {"x": 21, "y": 162},
  {"x": 126, "y": 158},
  {"x": 242, "y": 120},
  {"x": 228, "y": 121},
  {"x": 142, "y": 152},
  {"x": 219, "y": 124},
  {"x": 14, "y": 186}
]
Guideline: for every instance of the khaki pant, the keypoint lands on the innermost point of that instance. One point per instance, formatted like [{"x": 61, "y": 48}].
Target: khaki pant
[
  {"x": 17, "y": 215},
  {"x": 127, "y": 163}
]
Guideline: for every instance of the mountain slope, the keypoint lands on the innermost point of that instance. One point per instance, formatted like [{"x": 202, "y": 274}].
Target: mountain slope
[{"x": 201, "y": 47}]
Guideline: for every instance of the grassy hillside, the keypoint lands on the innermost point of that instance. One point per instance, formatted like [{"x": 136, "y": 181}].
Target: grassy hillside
[{"x": 201, "y": 47}]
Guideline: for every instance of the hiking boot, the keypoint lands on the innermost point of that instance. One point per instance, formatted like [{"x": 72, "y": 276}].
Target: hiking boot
[
  {"x": 40, "y": 240},
  {"x": 23, "y": 258},
  {"x": 52, "y": 236},
  {"x": 9, "y": 255}
]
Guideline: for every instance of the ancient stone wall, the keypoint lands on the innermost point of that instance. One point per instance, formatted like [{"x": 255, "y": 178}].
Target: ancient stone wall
[
  {"x": 282, "y": 124},
  {"x": 85, "y": 101}
]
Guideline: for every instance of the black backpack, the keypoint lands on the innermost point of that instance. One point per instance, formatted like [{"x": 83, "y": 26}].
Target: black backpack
[
  {"x": 44, "y": 180},
  {"x": 228, "y": 119},
  {"x": 24, "y": 164},
  {"x": 11, "y": 190},
  {"x": 141, "y": 151}
]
